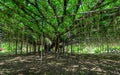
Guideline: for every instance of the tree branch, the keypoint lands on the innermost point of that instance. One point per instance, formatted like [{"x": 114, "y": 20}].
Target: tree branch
[
  {"x": 97, "y": 4},
  {"x": 64, "y": 10}
]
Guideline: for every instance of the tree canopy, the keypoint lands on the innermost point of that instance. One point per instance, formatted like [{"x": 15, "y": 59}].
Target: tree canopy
[{"x": 61, "y": 21}]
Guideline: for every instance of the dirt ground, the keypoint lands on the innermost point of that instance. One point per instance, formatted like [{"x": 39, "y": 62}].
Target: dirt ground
[{"x": 64, "y": 64}]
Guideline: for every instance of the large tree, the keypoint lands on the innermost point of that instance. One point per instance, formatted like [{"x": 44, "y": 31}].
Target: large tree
[{"x": 61, "y": 21}]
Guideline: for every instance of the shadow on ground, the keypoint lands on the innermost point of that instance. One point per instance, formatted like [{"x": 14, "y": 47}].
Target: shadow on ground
[{"x": 84, "y": 64}]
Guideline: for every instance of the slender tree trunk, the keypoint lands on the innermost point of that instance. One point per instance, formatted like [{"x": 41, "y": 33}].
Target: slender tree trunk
[
  {"x": 27, "y": 45},
  {"x": 21, "y": 52},
  {"x": 9, "y": 41},
  {"x": 22, "y": 39},
  {"x": 63, "y": 47},
  {"x": 34, "y": 47},
  {"x": 38, "y": 43},
  {"x": 71, "y": 49},
  {"x": 30, "y": 48},
  {"x": 38, "y": 48},
  {"x": 57, "y": 45},
  {"x": 16, "y": 44},
  {"x": 0, "y": 39}
]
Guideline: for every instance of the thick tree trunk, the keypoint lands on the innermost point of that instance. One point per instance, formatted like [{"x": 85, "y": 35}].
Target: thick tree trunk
[{"x": 57, "y": 46}]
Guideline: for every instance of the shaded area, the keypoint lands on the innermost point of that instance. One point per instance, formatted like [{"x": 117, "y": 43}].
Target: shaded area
[{"x": 84, "y": 64}]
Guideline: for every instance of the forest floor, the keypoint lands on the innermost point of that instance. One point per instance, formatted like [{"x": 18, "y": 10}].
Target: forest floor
[{"x": 52, "y": 64}]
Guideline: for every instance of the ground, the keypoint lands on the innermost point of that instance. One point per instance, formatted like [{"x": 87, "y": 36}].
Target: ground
[{"x": 64, "y": 64}]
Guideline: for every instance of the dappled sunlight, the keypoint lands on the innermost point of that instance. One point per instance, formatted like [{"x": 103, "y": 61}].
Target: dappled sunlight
[
  {"x": 1, "y": 63},
  {"x": 51, "y": 63},
  {"x": 59, "y": 64},
  {"x": 14, "y": 59},
  {"x": 50, "y": 57},
  {"x": 64, "y": 65},
  {"x": 97, "y": 69},
  {"x": 83, "y": 67}
]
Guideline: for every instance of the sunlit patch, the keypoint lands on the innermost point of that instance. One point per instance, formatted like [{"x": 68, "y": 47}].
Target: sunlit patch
[
  {"x": 97, "y": 69},
  {"x": 59, "y": 64},
  {"x": 33, "y": 68},
  {"x": 72, "y": 68},
  {"x": 16, "y": 58},
  {"x": 1, "y": 63},
  {"x": 49, "y": 57},
  {"x": 51, "y": 63},
  {"x": 75, "y": 66}
]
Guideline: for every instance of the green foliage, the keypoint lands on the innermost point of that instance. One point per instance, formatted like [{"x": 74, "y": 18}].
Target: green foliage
[
  {"x": 7, "y": 47},
  {"x": 106, "y": 49},
  {"x": 97, "y": 50}
]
